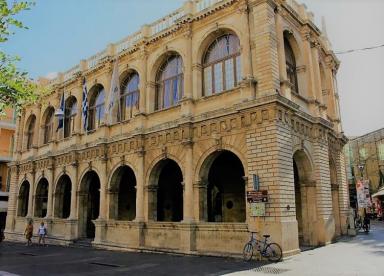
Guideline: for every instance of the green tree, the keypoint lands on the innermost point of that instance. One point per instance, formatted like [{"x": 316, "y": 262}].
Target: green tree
[{"x": 16, "y": 88}]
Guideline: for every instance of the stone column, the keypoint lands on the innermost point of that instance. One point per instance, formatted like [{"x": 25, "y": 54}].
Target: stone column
[
  {"x": 74, "y": 185},
  {"x": 264, "y": 43},
  {"x": 19, "y": 134},
  {"x": 188, "y": 215},
  {"x": 201, "y": 208},
  {"x": 36, "y": 136},
  {"x": 317, "y": 78},
  {"x": 51, "y": 184},
  {"x": 31, "y": 197},
  {"x": 311, "y": 89},
  {"x": 285, "y": 88},
  {"x": 103, "y": 190},
  {"x": 186, "y": 101},
  {"x": 140, "y": 180},
  {"x": 12, "y": 203},
  {"x": 143, "y": 81}
]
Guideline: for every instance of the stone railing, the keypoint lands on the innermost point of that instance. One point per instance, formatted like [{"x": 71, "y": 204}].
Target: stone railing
[
  {"x": 71, "y": 72},
  {"x": 94, "y": 60},
  {"x": 147, "y": 31},
  {"x": 128, "y": 42},
  {"x": 166, "y": 22}
]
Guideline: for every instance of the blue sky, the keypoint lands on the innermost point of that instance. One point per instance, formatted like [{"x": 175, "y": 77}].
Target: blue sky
[{"x": 62, "y": 32}]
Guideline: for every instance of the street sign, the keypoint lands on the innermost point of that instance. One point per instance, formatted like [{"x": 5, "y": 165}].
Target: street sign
[{"x": 257, "y": 196}]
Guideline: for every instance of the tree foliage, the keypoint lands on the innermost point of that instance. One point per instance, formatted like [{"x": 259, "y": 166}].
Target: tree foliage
[{"x": 16, "y": 88}]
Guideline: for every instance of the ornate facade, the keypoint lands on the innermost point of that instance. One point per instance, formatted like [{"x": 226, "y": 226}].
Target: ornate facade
[{"x": 211, "y": 95}]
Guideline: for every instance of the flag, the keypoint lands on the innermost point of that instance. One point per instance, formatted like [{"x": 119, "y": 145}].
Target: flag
[
  {"x": 85, "y": 106},
  {"x": 60, "y": 113},
  {"x": 113, "y": 94}
]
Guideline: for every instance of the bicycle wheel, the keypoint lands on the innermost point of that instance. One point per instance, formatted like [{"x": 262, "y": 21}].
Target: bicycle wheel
[
  {"x": 273, "y": 252},
  {"x": 248, "y": 251}
]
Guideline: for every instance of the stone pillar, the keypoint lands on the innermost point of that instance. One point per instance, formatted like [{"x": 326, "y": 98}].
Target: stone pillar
[
  {"x": 143, "y": 81},
  {"x": 325, "y": 221},
  {"x": 186, "y": 101},
  {"x": 264, "y": 43},
  {"x": 36, "y": 136},
  {"x": 51, "y": 184},
  {"x": 311, "y": 89},
  {"x": 275, "y": 175},
  {"x": 74, "y": 185},
  {"x": 285, "y": 87},
  {"x": 31, "y": 197},
  {"x": 336, "y": 208},
  {"x": 200, "y": 204},
  {"x": 19, "y": 134},
  {"x": 317, "y": 78},
  {"x": 100, "y": 222},
  {"x": 140, "y": 180},
  {"x": 247, "y": 81},
  {"x": 12, "y": 202},
  {"x": 188, "y": 216},
  {"x": 343, "y": 192}
]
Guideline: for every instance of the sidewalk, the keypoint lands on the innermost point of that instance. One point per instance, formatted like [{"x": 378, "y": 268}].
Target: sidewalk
[{"x": 361, "y": 255}]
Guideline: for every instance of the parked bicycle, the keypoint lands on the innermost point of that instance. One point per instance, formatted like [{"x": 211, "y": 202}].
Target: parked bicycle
[{"x": 270, "y": 250}]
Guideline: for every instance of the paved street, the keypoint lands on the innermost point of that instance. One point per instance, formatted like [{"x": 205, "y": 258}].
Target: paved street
[
  {"x": 53, "y": 260},
  {"x": 362, "y": 255}
]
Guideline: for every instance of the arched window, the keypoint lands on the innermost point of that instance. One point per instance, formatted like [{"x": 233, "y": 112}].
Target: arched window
[
  {"x": 96, "y": 107},
  {"x": 290, "y": 62},
  {"x": 129, "y": 96},
  {"x": 22, "y": 209},
  {"x": 169, "y": 83},
  {"x": 222, "y": 65},
  {"x": 30, "y": 131},
  {"x": 69, "y": 116},
  {"x": 48, "y": 125}
]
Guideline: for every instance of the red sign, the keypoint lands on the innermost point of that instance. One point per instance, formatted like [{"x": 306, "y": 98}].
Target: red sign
[{"x": 257, "y": 196}]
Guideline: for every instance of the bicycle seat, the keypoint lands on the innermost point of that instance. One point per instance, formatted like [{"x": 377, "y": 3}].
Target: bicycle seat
[{"x": 266, "y": 236}]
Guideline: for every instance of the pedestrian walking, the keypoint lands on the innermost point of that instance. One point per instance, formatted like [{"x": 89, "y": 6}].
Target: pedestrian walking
[
  {"x": 29, "y": 232},
  {"x": 42, "y": 232}
]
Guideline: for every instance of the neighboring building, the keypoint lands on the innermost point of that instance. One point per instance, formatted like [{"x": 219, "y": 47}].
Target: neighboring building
[
  {"x": 365, "y": 159},
  {"x": 7, "y": 131},
  {"x": 211, "y": 96}
]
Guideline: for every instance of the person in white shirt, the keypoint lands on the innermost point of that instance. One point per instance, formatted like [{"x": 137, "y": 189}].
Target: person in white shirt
[{"x": 42, "y": 232}]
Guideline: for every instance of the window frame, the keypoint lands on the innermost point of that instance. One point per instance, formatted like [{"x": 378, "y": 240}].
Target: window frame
[
  {"x": 125, "y": 94},
  {"x": 160, "y": 84},
  {"x": 222, "y": 61}
]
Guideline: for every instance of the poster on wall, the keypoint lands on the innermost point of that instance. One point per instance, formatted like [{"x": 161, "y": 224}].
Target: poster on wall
[
  {"x": 257, "y": 209},
  {"x": 360, "y": 193}
]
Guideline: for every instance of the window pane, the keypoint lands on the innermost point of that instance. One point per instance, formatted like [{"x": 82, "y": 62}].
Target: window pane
[
  {"x": 208, "y": 81},
  {"x": 229, "y": 74},
  {"x": 175, "y": 92},
  {"x": 218, "y": 71},
  {"x": 238, "y": 69},
  {"x": 167, "y": 94}
]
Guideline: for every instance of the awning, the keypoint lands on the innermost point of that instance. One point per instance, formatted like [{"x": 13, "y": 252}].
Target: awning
[{"x": 379, "y": 193}]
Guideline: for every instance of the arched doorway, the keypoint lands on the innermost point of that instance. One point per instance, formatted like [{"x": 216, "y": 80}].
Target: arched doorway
[
  {"x": 41, "y": 198},
  {"x": 89, "y": 204},
  {"x": 223, "y": 173},
  {"x": 305, "y": 199},
  {"x": 335, "y": 197},
  {"x": 123, "y": 194},
  {"x": 166, "y": 196},
  {"x": 63, "y": 197},
  {"x": 23, "y": 199}
]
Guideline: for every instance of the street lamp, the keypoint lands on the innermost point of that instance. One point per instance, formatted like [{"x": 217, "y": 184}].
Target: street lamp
[{"x": 361, "y": 168}]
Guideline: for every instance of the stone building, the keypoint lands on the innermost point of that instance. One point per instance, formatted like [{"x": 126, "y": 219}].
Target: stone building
[
  {"x": 365, "y": 159},
  {"x": 212, "y": 95}
]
